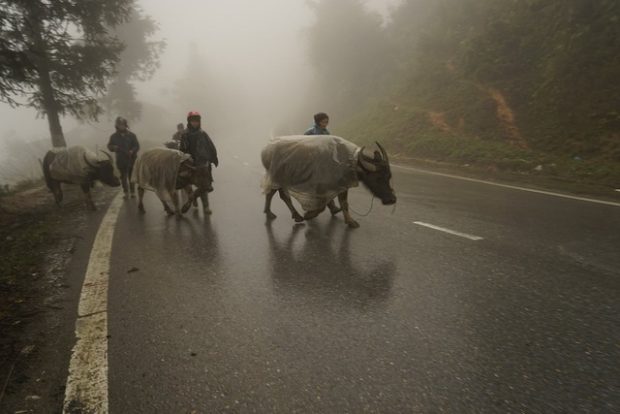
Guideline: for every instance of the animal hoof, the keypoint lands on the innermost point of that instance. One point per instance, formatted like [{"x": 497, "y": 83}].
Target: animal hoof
[
  {"x": 169, "y": 212},
  {"x": 207, "y": 211},
  {"x": 298, "y": 218},
  {"x": 141, "y": 209},
  {"x": 353, "y": 224},
  {"x": 271, "y": 216}
]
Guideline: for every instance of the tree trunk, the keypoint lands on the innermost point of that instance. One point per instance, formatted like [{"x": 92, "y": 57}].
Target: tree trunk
[
  {"x": 51, "y": 109},
  {"x": 48, "y": 101}
]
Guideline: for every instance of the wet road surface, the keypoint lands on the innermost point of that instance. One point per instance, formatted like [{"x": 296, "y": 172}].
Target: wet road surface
[{"x": 231, "y": 314}]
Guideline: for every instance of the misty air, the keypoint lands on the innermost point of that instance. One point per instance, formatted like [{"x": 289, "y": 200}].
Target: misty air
[{"x": 309, "y": 206}]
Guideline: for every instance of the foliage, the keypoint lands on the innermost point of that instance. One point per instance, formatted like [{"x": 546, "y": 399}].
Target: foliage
[
  {"x": 480, "y": 80},
  {"x": 59, "y": 55},
  {"x": 138, "y": 62}
]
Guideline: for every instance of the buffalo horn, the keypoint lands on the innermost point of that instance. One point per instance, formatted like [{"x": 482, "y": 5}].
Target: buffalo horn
[
  {"x": 383, "y": 152},
  {"x": 107, "y": 155},
  {"x": 363, "y": 160},
  {"x": 88, "y": 162}
]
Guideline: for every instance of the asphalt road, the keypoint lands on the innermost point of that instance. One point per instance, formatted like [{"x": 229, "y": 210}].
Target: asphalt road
[{"x": 230, "y": 314}]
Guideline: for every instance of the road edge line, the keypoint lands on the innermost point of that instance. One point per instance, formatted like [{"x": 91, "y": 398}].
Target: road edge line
[
  {"x": 509, "y": 186},
  {"x": 87, "y": 383}
]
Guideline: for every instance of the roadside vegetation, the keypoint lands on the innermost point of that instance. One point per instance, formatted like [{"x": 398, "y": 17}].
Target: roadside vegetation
[{"x": 524, "y": 87}]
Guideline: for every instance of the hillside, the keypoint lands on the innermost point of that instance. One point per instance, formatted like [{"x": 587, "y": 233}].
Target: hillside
[{"x": 515, "y": 85}]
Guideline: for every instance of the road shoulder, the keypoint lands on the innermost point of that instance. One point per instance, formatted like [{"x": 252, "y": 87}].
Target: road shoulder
[{"x": 45, "y": 251}]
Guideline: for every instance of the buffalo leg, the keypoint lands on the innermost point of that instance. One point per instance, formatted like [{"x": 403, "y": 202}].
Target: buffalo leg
[
  {"x": 192, "y": 199},
  {"x": 204, "y": 196},
  {"x": 89, "y": 200},
  {"x": 289, "y": 203},
  {"x": 57, "y": 192},
  {"x": 167, "y": 208},
  {"x": 140, "y": 197},
  {"x": 333, "y": 208},
  {"x": 267, "y": 210},
  {"x": 174, "y": 195},
  {"x": 344, "y": 205},
  {"x": 188, "y": 193}
]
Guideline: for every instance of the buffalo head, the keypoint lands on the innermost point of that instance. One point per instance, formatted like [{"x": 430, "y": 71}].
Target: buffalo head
[
  {"x": 103, "y": 170},
  {"x": 374, "y": 172},
  {"x": 199, "y": 176}
]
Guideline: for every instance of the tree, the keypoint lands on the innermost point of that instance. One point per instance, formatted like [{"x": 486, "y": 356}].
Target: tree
[
  {"x": 138, "y": 62},
  {"x": 58, "y": 55}
]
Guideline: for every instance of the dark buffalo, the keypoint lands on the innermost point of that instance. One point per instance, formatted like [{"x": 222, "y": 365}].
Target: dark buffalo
[
  {"x": 165, "y": 171},
  {"x": 77, "y": 165},
  {"x": 315, "y": 169}
]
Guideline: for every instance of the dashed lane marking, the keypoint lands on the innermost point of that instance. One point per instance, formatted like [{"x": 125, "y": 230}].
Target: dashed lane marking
[{"x": 445, "y": 230}]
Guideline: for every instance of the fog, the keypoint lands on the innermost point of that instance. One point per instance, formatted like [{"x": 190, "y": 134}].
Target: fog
[{"x": 254, "y": 83}]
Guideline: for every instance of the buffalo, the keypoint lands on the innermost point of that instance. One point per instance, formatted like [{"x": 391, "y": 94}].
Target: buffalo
[
  {"x": 165, "y": 171},
  {"x": 77, "y": 165},
  {"x": 316, "y": 169}
]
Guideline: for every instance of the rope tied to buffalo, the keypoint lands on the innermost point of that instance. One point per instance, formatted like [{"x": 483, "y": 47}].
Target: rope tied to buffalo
[{"x": 372, "y": 202}]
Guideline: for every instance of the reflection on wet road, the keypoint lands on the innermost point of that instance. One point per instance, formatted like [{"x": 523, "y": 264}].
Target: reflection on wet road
[{"x": 230, "y": 313}]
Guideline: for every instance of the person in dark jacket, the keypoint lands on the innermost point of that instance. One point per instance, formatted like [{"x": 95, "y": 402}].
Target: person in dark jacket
[
  {"x": 125, "y": 144},
  {"x": 177, "y": 135},
  {"x": 197, "y": 143},
  {"x": 321, "y": 120}
]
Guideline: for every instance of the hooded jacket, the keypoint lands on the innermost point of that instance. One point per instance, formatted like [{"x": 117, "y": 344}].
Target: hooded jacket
[{"x": 198, "y": 144}]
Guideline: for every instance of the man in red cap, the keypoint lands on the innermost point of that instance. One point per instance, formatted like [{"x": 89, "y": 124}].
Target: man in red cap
[{"x": 197, "y": 143}]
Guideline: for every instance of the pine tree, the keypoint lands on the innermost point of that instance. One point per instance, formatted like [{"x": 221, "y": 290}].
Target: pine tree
[{"x": 57, "y": 56}]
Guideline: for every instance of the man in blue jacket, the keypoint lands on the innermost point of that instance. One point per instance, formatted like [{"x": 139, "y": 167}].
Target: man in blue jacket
[{"x": 321, "y": 120}]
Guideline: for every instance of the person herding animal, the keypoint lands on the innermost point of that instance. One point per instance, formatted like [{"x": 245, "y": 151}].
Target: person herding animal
[
  {"x": 125, "y": 144},
  {"x": 197, "y": 143},
  {"x": 321, "y": 120}
]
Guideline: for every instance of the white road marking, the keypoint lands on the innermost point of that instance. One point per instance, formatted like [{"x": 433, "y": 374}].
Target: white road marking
[
  {"x": 87, "y": 383},
  {"x": 513, "y": 187},
  {"x": 455, "y": 233}
]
